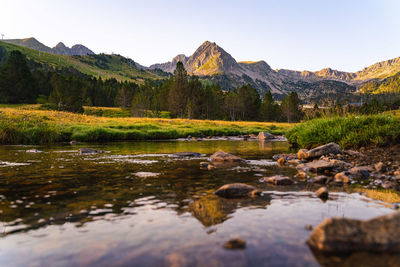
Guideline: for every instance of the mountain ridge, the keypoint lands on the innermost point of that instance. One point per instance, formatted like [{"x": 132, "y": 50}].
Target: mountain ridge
[
  {"x": 59, "y": 49},
  {"x": 209, "y": 60}
]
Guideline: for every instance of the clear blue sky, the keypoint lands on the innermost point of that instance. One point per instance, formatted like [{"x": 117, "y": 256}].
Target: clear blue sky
[{"x": 346, "y": 35}]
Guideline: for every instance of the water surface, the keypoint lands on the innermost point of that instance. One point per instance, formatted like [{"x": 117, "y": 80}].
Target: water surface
[{"x": 137, "y": 205}]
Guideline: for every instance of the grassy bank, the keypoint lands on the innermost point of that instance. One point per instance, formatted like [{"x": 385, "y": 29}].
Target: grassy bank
[
  {"x": 351, "y": 131},
  {"x": 30, "y": 126}
]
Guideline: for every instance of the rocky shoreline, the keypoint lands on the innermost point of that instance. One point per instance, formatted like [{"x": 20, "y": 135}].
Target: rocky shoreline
[{"x": 329, "y": 165}]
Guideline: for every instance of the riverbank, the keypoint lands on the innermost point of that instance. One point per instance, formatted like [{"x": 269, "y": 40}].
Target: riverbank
[
  {"x": 19, "y": 125},
  {"x": 348, "y": 132}
]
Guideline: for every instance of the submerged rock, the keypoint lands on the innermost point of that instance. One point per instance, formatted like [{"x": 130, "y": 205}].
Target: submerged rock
[
  {"x": 221, "y": 156},
  {"x": 90, "y": 151},
  {"x": 33, "y": 151},
  {"x": 277, "y": 180},
  {"x": 320, "y": 179},
  {"x": 265, "y": 136},
  {"x": 281, "y": 162},
  {"x": 342, "y": 235},
  {"x": 286, "y": 157},
  {"x": 186, "y": 154},
  {"x": 322, "y": 193},
  {"x": 236, "y": 243},
  {"x": 206, "y": 165},
  {"x": 237, "y": 190}
]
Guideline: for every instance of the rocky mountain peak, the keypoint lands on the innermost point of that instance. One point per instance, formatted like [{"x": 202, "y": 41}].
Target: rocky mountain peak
[{"x": 60, "y": 45}]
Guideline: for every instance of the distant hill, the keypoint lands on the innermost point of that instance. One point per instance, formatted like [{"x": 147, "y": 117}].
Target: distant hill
[
  {"x": 59, "y": 49},
  {"x": 211, "y": 62},
  {"x": 102, "y": 65},
  {"x": 388, "y": 85}
]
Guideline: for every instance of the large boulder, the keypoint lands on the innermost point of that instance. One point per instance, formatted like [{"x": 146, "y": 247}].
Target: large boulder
[
  {"x": 265, "y": 136},
  {"x": 317, "y": 152},
  {"x": 341, "y": 235},
  {"x": 237, "y": 190},
  {"x": 277, "y": 180},
  {"x": 221, "y": 156}
]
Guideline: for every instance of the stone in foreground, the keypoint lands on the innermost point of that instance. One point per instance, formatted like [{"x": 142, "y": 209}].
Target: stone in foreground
[
  {"x": 278, "y": 180},
  {"x": 221, "y": 156},
  {"x": 341, "y": 235},
  {"x": 265, "y": 136},
  {"x": 236, "y": 243},
  {"x": 237, "y": 190},
  {"x": 322, "y": 193},
  {"x": 90, "y": 151}
]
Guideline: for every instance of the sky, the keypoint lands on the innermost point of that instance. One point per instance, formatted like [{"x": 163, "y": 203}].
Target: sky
[{"x": 287, "y": 34}]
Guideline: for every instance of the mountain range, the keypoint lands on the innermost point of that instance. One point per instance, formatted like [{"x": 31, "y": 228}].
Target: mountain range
[
  {"x": 59, "y": 49},
  {"x": 212, "y": 63}
]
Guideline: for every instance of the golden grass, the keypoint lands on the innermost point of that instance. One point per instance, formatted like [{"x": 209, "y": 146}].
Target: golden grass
[{"x": 17, "y": 122}]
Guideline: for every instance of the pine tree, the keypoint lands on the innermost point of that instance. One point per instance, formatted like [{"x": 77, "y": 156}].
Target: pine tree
[
  {"x": 269, "y": 110},
  {"x": 178, "y": 93},
  {"x": 291, "y": 107},
  {"x": 16, "y": 81}
]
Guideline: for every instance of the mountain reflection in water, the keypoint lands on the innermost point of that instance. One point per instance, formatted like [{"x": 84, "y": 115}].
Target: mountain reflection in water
[{"x": 62, "y": 208}]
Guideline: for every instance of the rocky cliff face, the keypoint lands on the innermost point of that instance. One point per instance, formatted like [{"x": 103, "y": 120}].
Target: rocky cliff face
[{"x": 59, "y": 49}]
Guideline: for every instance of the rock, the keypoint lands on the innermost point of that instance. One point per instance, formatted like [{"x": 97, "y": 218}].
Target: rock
[
  {"x": 206, "y": 165},
  {"x": 379, "y": 167},
  {"x": 235, "y": 243},
  {"x": 320, "y": 179},
  {"x": 360, "y": 172},
  {"x": 308, "y": 227},
  {"x": 73, "y": 142},
  {"x": 277, "y": 180},
  {"x": 253, "y": 136},
  {"x": 236, "y": 190},
  {"x": 352, "y": 153},
  {"x": 319, "y": 166},
  {"x": 341, "y": 178},
  {"x": 294, "y": 162},
  {"x": 281, "y": 162},
  {"x": 286, "y": 157},
  {"x": 324, "y": 150},
  {"x": 342, "y": 235},
  {"x": 90, "y": 151},
  {"x": 301, "y": 175},
  {"x": 221, "y": 156},
  {"x": 322, "y": 193},
  {"x": 33, "y": 151},
  {"x": 265, "y": 136},
  {"x": 186, "y": 154},
  {"x": 302, "y": 154}
]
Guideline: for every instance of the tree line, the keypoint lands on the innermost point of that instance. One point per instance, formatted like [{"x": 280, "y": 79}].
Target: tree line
[{"x": 182, "y": 95}]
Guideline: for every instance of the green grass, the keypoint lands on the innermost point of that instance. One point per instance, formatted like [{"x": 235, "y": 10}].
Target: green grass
[
  {"x": 350, "y": 131},
  {"x": 105, "y": 66},
  {"x": 27, "y": 125}
]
